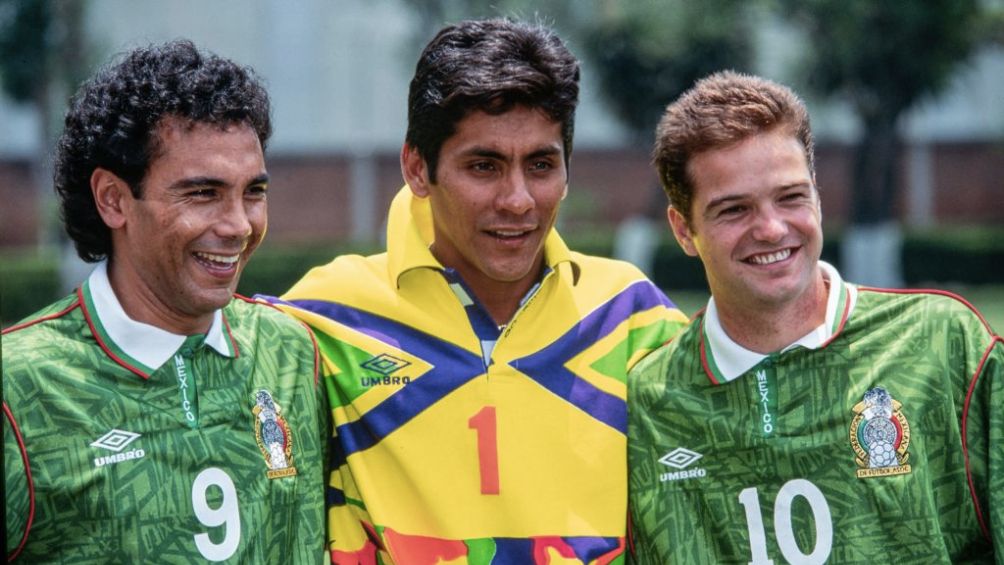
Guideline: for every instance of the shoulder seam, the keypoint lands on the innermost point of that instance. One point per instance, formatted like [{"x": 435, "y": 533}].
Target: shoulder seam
[
  {"x": 934, "y": 291},
  {"x": 46, "y": 318}
]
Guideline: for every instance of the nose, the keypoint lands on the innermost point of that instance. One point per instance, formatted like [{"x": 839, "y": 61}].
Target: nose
[
  {"x": 514, "y": 195},
  {"x": 234, "y": 221},
  {"x": 769, "y": 225}
]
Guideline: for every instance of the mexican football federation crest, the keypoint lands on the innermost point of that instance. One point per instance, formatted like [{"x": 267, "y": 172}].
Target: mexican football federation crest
[
  {"x": 273, "y": 436},
  {"x": 880, "y": 435}
]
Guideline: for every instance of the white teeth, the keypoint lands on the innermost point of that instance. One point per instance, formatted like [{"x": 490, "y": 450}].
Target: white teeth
[
  {"x": 509, "y": 233},
  {"x": 770, "y": 257},
  {"x": 225, "y": 259}
]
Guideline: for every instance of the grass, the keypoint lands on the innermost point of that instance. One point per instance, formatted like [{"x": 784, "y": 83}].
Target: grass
[{"x": 988, "y": 299}]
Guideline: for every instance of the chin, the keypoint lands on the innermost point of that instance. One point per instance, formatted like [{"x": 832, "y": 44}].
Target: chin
[
  {"x": 210, "y": 301},
  {"x": 510, "y": 276}
]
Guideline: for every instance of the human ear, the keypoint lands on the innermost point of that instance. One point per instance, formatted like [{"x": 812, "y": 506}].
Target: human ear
[
  {"x": 414, "y": 170},
  {"x": 112, "y": 196},
  {"x": 681, "y": 231}
]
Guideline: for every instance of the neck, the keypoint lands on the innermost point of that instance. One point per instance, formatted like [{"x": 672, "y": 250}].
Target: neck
[
  {"x": 501, "y": 300},
  {"x": 143, "y": 306},
  {"x": 765, "y": 329}
]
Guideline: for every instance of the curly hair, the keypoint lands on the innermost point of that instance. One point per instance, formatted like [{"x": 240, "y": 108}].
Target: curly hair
[
  {"x": 113, "y": 120},
  {"x": 489, "y": 66},
  {"x": 720, "y": 110}
]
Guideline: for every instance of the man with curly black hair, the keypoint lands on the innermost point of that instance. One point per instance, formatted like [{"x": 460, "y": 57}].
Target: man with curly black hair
[{"x": 150, "y": 415}]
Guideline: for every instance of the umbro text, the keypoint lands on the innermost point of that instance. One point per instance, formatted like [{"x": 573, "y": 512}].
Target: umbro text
[
  {"x": 683, "y": 475},
  {"x": 374, "y": 381},
  {"x": 118, "y": 457}
]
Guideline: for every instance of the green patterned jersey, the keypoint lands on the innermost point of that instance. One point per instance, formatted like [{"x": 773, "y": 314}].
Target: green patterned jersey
[
  {"x": 879, "y": 438},
  {"x": 127, "y": 444}
]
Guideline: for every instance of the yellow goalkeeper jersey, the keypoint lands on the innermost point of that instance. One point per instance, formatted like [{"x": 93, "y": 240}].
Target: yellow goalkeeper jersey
[{"x": 457, "y": 441}]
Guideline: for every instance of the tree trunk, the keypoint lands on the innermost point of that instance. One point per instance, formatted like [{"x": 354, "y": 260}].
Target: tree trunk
[{"x": 872, "y": 243}]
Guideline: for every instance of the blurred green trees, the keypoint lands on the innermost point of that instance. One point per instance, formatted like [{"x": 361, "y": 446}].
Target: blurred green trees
[
  {"x": 883, "y": 57},
  {"x": 42, "y": 58},
  {"x": 647, "y": 53}
]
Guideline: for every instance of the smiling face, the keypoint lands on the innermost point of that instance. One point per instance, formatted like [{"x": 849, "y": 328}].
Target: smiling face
[
  {"x": 179, "y": 249},
  {"x": 500, "y": 179},
  {"x": 755, "y": 224}
]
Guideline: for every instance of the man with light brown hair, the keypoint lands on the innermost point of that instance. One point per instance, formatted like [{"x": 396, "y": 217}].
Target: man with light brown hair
[{"x": 801, "y": 418}]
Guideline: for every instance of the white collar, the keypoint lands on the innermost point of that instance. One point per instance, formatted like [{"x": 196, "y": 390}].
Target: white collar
[
  {"x": 142, "y": 345},
  {"x": 725, "y": 359}
]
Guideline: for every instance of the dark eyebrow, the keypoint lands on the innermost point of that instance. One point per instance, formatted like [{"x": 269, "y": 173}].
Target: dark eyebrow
[
  {"x": 724, "y": 200},
  {"x": 549, "y": 151},
  {"x": 194, "y": 182},
  {"x": 476, "y": 151},
  {"x": 729, "y": 198},
  {"x": 795, "y": 185},
  {"x": 483, "y": 152}
]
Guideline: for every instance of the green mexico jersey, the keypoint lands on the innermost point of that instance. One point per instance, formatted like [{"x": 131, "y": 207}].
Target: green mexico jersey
[
  {"x": 879, "y": 440},
  {"x": 126, "y": 444}
]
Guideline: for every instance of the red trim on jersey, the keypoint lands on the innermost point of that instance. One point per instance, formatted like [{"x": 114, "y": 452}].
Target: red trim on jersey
[
  {"x": 843, "y": 318},
  {"x": 101, "y": 343},
  {"x": 63, "y": 312},
  {"x": 965, "y": 443},
  {"x": 629, "y": 533},
  {"x": 317, "y": 353},
  {"x": 932, "y": 291},
  {"x": 27, "y": 475}
]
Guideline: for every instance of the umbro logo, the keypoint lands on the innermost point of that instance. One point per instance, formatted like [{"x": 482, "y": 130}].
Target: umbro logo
[
  {"x": 385, "y": 365},
  {"x": 681, "y": 458},
  {"x": 117, "y": 440}
]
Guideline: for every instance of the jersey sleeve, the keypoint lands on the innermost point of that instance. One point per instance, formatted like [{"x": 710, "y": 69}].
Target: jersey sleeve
[
  {"x": 983, "y": 442},
  {"x": 17, "y": 486},
  {"x": 993, "y": 377}
]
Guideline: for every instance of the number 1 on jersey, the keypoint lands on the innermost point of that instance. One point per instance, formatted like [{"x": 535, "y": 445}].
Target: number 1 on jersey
[{"x": 486, "y": 426}]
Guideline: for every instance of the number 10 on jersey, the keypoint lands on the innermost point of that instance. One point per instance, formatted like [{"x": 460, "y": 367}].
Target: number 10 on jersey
[{"x": 783, "y": 524}]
